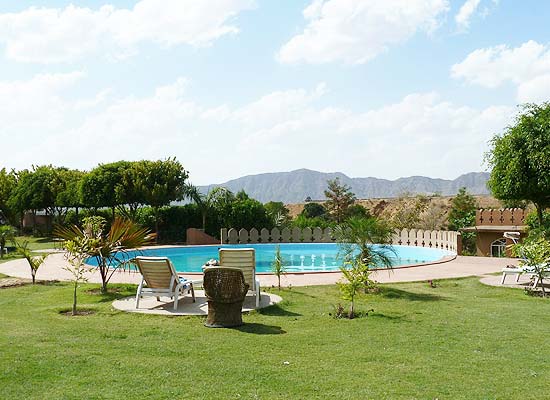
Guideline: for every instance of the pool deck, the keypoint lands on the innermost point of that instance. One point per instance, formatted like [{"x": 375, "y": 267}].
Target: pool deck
[{"x": 461, "y": 266}]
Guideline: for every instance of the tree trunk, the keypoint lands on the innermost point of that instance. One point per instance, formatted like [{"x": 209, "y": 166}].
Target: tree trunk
[
  {"x": 351, "y": 311},
  {"x": 33, "y": 275},
  {"x": 74, "y": 297},
  {"x": 204, "y": 222},
  {"x": 156, "y": 211},
  {"x": 539, "y": 213}
]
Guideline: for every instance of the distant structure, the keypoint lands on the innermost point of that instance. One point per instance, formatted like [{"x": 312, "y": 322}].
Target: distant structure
[{"x": 491, "y": 225}]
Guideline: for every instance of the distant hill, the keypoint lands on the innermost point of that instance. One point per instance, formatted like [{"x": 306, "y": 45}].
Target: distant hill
[{"x": 295, "y": 186}]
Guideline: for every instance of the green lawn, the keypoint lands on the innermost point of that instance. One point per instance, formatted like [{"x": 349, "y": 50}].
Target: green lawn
[
  {"x": 34, "y": 244},
  {"x": 461, "y": 340}
]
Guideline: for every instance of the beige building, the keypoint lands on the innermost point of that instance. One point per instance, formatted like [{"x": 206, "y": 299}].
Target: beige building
[{"x": 490, "y": 227}]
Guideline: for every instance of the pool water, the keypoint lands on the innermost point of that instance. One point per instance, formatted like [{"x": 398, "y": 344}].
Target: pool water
[{"x": 297, "y": 257}]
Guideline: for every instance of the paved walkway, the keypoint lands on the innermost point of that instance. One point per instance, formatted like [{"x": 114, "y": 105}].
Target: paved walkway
[{"x": 462, "y": 266}]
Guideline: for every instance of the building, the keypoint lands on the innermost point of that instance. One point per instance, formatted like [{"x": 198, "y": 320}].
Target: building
[{"x": 490, "y": 227}]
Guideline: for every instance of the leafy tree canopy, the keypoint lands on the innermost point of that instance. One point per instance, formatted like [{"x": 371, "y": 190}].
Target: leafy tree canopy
[
  {"x": 340, "y": 198},
  {"x": 520, "y": 159}
]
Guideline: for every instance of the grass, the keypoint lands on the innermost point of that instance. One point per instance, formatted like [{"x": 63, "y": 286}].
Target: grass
[
  {"x": 460, "y": 340},
  {"x": 41, "y": 243}
]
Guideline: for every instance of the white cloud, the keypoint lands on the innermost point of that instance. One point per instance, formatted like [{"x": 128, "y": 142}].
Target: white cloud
[
  {"x": 355, "y": 31},
  {"x": 526, "y": 66},
  {"x": 465, "y": 13},
  {"x": 52, "y": 35},
  {"x": 288, "y": 129}
]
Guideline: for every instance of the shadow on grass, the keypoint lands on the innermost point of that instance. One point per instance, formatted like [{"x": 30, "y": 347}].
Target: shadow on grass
[
  {"x": 260, "y": 329},
  {"x": 393, "y": 293},
  {"x": 113, "y": 293},
  {"x": 277, "y": 311},
  {"x": 44, "y": 240},
  {"x": 388, "y": 317}
]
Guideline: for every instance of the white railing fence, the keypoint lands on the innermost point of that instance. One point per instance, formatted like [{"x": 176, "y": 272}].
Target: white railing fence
[{"x": 445, "y": 240}]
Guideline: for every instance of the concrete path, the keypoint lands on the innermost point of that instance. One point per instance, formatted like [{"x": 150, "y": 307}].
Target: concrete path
[
  {"x": 150, "y": 305},
  {"x": 52, "y": 269}
]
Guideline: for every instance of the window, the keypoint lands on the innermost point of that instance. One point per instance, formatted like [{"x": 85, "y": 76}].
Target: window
[{"x": 498, "y": 248}]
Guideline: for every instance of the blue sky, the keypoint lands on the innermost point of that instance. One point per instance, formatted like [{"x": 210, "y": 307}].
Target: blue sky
[{"x": 232, "y": 87}]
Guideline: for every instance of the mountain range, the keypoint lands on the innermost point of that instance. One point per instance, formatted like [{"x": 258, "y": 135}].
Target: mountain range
[{"x": 296, "y": 186}]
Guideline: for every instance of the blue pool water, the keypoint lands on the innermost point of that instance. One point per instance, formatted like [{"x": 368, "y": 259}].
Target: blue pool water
[{"x": 298, "y": 257}]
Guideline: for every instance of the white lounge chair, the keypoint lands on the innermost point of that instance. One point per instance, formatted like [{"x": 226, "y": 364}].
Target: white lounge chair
[
  {"x": 159, "y": 278},
  {"x": 245, "y": 260}
]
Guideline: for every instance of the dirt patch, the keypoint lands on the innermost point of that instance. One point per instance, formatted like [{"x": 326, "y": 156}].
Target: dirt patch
[
  {"x": 97, "y": 291},
  {"x": 79, "y": 313},
  {"x": 13, "y": 282}
]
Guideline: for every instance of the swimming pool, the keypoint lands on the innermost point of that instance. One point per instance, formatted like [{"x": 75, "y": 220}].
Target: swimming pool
[{"x": 298, "y": 257}]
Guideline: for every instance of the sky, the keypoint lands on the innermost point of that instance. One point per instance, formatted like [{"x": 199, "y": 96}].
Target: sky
[{"x": 382, "y": 88}]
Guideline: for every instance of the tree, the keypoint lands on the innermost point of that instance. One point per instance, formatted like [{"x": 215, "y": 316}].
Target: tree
[
  {"x": 77, "y": 250},
  {"x": 520, "y": 159},
  {"x": 161, "y": 182},
  {"x": 35, "y": 190},
  {"x": 8, "y": 182},
  {"x": 206, "y": 202},
  {"x": 313, "y": 210},
  {"x": 34, "y": 261},
  {"x": 462, "y": 215},
  {"x": 277, "y": 213},
  {"x": 6, "y": 233},
  {"x": 340, "y": 198},
  {"x": 278, "y": 266},
  {"x": 248, "y": 213},
  {"x": 101, "y": 187},
  {"x": 109, "y": 248},
  {"x": 366, "y": 240},
  {"x": 357, "y": 238}
]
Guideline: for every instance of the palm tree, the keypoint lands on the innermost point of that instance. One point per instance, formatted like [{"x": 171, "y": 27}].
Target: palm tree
[
  {"x": 364, "y": 243},
  {"x": 205, "y": 202},
  {"x": 110, "y": 249},
  {"x": 357, "y": 237},
  {"x": 6, "y": 233}
]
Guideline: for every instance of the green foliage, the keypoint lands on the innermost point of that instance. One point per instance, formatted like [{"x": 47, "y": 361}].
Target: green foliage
[
  {"x": 77, "y": 253},
  {"x": 6, "y": 233},
  {"x": 108, "y": 247},
  {"x": 248, "y": 213},
  {"x": 356, "y": 238},
  {"x": 301, "y": 221},
  {"x": 358, "y": 211},
  {"x": 313, "y": 210},
  {"x": 536, "y": 255},
  {"x": 8, "y": 181},
  {"x": 206, "y": 202},
  {"x": 278, "y": 266},
  {"x": 520, "y": 159},
  {"x": 277, "y": 213},
  {"x": 101, "y": 186},
  {"x": 356, "y": 277},
  {"x": 340, "y": 198},
  {"x": 462, "y": 215},
  {"x": 34, "y": 261},
  {"x": 536, "y": 230},
  {"x": 409, "y": 212}
]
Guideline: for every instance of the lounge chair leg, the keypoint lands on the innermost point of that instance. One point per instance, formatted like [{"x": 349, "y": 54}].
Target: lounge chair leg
[
  {"x": 137, "y": 300},
  {"x": 517, "y": 277},
  {"x": 192, "y": 290},
  {"x": 503, "y": 278}
]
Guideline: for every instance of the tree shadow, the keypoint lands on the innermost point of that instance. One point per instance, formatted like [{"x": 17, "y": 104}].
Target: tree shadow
[
  {"x": 386, "y": 316},
  {"x": 260, "y": 329},
  {"x": 277, "y": 311},
  {"x": 393, "y": 293}
]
